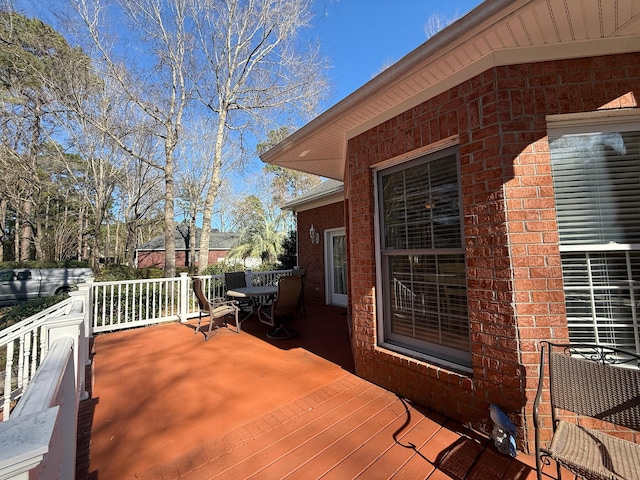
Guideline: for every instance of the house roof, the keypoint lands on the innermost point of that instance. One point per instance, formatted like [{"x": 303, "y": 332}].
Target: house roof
[
  {"x": 326, "y": 193},
  {"x": 217, "y": 240},
  {"x": 496, "y": 33}
]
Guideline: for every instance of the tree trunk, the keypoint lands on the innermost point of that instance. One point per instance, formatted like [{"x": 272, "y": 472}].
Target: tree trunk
[
  {"x": 16, "y": 239},
  {"x": 95, "y": 250},
  {"x": 169, "y": 221},
  {"x": 129, "y": 248},
  {"x": 3, "y": 225},
  {"x": 38, "y": 239},
  {"x": 81, "y": 214},
  {"x": 192, "y": 244},
  {"x": 212, "y": 192},
  {"x": 27, "y": 232},
  {"x": 116, "y": 252}
]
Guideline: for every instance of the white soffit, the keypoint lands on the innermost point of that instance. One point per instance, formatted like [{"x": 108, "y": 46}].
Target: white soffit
[{"x": 497, "y": 32}]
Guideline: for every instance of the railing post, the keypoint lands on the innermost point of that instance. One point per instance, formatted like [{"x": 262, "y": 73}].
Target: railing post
[
  {"x": 39, "y": 440},
  {"x": 87, "y": 288},
  {"x": 25, "y": 443},
  {"x": 85, "y": 292},
  {"x": 71, "y": 325},
  {"x": 183, "y": 309}
]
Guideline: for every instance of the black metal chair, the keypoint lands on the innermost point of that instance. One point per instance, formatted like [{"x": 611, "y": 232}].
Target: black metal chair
[
  {"x": 585, "y": 382},
  {"x": 215, "y": 309},
  {"x": 282, "y": 308}
]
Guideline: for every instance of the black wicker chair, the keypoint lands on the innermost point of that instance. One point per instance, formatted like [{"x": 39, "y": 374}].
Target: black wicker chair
[{"x": 592, "y": 381}]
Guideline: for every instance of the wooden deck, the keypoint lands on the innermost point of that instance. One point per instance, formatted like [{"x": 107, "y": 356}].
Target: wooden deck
[{"x": 167, "y": 405}]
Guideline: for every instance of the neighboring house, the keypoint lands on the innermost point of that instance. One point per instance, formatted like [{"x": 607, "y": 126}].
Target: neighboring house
[
  {"x": 322, "y": 242},
  {"x": 491, "y": 192},
  {"x": 152, "y": 253}
]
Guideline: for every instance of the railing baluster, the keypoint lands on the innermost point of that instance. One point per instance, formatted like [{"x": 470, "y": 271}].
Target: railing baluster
[
  {"x": 147, "y": 298},
  {"x": 140, "y": 295},
  {"x": 134, "y": 305},
  {"x": 104, "y": 302},
  {"x": 174, "y": 298},
  {"x": 126, "y": 303},
  {"x": 7, "y": 382},
  {"x": 111, "y": 297},
  {"x": 23, "y": 360},
  {"x": 25, "y": 344},
  {"x": 41, "y": 334},
  {"x": 119, "y": 309}
]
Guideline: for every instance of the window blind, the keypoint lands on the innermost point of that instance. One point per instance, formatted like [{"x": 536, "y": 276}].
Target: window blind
[
  {"x": 423, "y": 258},
  {"x": 596, "y": 179},
  {"x": 596, "y": 182}
]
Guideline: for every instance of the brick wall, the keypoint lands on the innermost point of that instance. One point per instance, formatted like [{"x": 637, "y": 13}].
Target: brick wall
[
  {"x": 514, "y": 276},
  {"x": 311, "y": 256},
  {"x": 156, "y": 258},
  {"x": 215, "y": 256}
]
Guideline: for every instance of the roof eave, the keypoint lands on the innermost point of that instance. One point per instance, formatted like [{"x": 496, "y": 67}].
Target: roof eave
[
  {"x": 327, "y": 198},
  {"x": 319, "y": 147},
  {"x": 453, "y": 34}
]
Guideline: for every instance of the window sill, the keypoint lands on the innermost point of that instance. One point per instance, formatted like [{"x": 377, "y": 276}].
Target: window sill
[{"x": 428, "y": 360}]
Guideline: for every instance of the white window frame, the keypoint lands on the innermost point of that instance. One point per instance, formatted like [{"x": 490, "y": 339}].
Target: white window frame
[{"x": 606, "y": 121}]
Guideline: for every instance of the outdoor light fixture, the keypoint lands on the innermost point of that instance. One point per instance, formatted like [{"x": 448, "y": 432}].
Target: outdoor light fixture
[{"x": 315, "y": 236}]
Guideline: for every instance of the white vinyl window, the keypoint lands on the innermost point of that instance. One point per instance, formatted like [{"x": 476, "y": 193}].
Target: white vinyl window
[
  {"x": 422, "y": 262},
  {"x": 596, "y": 178}
]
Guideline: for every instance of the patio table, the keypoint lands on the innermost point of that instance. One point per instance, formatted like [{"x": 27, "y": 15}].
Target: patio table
[{"x": 253, "y": 294}]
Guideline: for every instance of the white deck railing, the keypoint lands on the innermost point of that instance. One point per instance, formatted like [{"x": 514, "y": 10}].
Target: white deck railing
[{"x": 43, "y": 360}]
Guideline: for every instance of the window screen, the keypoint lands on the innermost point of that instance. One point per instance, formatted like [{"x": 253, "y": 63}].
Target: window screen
[
  {"x": 597, "y": 193},
  {"x": 423, "y": 264}
]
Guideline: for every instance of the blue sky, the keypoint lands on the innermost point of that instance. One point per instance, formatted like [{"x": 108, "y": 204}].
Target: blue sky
[{"x": 360, "y": 37}]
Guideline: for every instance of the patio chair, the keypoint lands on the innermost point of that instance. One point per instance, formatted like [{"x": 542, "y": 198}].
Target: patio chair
[
  {"x": 302, "y": 272},
  {"x": 215, "y": 309},
  {"x": 235, "y": 280},
  {"x": 282, "y": 308},
  {"x": 586, "y": 382}
]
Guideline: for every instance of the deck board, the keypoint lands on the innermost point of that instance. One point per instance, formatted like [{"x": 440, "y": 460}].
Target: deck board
[{"x": 166, "y": 405}]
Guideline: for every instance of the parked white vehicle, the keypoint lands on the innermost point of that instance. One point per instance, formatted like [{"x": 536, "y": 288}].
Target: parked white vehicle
[{"x": 21, "y": 284}]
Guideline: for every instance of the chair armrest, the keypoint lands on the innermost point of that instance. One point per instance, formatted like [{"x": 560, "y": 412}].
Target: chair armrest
[{"x": 221, "y": 302}]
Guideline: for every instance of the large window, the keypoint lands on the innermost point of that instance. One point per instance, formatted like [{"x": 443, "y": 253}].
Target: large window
[
  {"x": 596, "y": 179},
  {"x": 424, "y": 294}
]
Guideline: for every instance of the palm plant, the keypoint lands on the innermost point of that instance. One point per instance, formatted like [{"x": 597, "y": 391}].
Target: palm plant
[{"x": 264, "y": 240}]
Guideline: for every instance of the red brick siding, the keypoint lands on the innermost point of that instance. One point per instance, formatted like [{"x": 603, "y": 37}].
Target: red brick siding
[
  {"x": 215, "y": 256},
  {"x": 311, "y": 256},
  {"x": 515, "y": 291},
  {"x": 156, "y": 258},
  {"x": 150, "y": 259}
]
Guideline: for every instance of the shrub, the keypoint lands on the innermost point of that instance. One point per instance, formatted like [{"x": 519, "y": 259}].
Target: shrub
[
  {"x": 113, "y": 273},
  {"x": 45, "y": 264},
  {"x": 221, "y": 267},
  {"x": 14, "y": 314},
  {"x": 289, "y": 256}
]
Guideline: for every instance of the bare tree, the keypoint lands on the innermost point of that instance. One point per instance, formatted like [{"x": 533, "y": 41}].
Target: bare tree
[
  {"x": 93, "y": 174},
  {"x": 156, "y": 85},
  {"x": 437, "y": 22},
  {"x": 253, "y": 73},
  {"x": 140, "y": 195}
]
